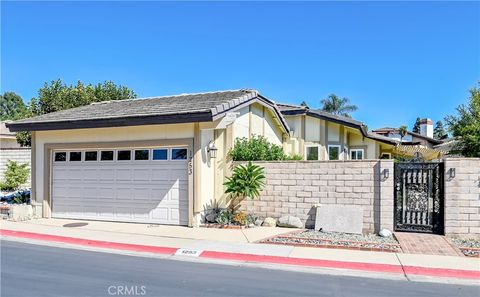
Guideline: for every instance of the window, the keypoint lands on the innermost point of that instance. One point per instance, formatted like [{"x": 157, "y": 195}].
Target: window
[
  {"x": 106, "y": 156},
  {"x": 160, "y": 154},
  {"x": 124, "y": 155},
  {"x": 386, "y": 156},
  {"x": 91, "y": 156},
  {"x": 334, "y": 152},
  {"x": 75, "y": 156},
  {"x": 312, "y": 153},
  {"x": 60, "y": 157},
  {"x": 179, "y": 154},
  {"x": 356, "y": 154},
  {"x": 141, "y": 154}
]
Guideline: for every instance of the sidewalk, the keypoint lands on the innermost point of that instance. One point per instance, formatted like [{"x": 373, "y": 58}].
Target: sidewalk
[{"x": 236, "y": 245}]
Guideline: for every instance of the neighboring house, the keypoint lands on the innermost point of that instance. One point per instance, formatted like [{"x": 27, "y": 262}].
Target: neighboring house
[
  {"x": 10, "y": 149},
  {"x": 319, "y": 135},
  {"x": 413, "y": 143},
  {"x": 153, "y": 160}
]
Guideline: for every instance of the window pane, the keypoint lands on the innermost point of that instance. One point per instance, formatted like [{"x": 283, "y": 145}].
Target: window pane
[
  {"x": 179, "y": 154},
  {"x": 141, "y": 154},
  {"x": 160, "y": 154},
  {"x": 124, "y": 155},
  {"x": 90, "y": 156},
  {"x": 312, "y": 153},
  {"x": 333, "y": 153},
  {"x": 359, "y": 155},
  {"x": 75, "y": 156},
  {"x": 61, "y": 157},
  {"x": 106, "y": 156}
]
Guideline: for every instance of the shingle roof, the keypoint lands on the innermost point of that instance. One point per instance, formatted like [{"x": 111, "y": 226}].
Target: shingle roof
[{"x": 177, "y": 108}]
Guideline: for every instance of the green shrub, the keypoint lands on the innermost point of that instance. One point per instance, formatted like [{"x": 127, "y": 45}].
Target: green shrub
[
  {"x": 225, "y": 217},
  {"x": 15, "y": 176},
  {"x": 246, "y": 181},
  {"x": 257, "y": 148}
]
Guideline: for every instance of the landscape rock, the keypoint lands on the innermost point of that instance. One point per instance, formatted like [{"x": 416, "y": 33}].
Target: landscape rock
[
  {"x": 258, "y": 222},
  {"x": 290, "y": 222},
  {"x": 269, "y": 222},
  {"x": 385, "y": 233},
  {"x": 210, "y": 218}
]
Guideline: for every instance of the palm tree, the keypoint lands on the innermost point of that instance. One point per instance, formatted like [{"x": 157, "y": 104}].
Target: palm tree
[
  {"x": 338, "y": 106},
  {"x": 402, "y": 130}
]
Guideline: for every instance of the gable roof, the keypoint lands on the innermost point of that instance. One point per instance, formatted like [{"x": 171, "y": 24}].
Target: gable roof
[
  {"x": 290, "y": 109},
  {"x": 184, "y": 108},
  {"x": 395, "y": 130}
]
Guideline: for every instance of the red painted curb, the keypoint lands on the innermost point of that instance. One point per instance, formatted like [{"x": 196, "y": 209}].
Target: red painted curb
[
  {"x": 372, "y": 267},
  {"x": 304, "y": 262},
  {"x": 89, "y": 242}
]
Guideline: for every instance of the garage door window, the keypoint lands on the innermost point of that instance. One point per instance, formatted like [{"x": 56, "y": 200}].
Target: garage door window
[
  {"x": 124, "y": 155},
  {"x": 75, "y": 156},
  {"x": 60, "y": 157},
  {"x": 141, "y": 155},
  {"x": 160, "y": 154},
  {"x": 106, "y": 156},
  {"x": 91, "y": 156},
  {"x": 179, "y": 154}
]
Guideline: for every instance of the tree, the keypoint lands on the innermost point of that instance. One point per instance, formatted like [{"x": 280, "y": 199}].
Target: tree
[
  {"x": 11, "y": 106},
  {"x": 466, "y": 125},
  {"x": 402, "y": 130},
  {"x": 439, "y": 132},
  {"x": 338, "y": 106},
  {"x": 56, "y": 96},
  {"x": 416, "y": 127},
  {"x": 304, "y": 104}
]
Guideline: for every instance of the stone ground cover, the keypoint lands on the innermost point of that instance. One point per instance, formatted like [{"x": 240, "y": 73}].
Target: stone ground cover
[
  {"x": 469, "y": 247},
  {"x": 311, "y": 238}
]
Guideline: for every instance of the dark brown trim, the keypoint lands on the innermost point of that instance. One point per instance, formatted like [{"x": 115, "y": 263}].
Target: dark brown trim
[{"x": 113, "y": 122}]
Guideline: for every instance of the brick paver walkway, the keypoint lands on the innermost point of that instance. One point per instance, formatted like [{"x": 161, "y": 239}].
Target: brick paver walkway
[{"x": 431, "y": 244}]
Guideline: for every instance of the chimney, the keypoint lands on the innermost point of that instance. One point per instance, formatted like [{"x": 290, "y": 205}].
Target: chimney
[{"x": 426, "y": 127}]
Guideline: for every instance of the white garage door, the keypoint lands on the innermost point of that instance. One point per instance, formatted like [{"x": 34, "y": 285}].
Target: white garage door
[{"x": 145, "y": 185}]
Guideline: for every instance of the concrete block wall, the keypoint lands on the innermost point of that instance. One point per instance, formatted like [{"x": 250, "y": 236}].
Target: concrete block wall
[
  {"x": 462, "y": 197},
  {"x": 21, "y": 155},
  {"x": 296, "y": 187}
]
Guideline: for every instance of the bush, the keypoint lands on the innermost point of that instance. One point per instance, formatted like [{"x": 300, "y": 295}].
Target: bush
[
  {"x": 246, "y": 181},
  {"x": 15, "y": 176},
  {"x": 257, "y": 148},
  {"x": 225, "y": 217}
]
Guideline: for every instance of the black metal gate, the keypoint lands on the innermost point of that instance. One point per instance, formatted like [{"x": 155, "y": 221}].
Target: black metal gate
[{"x": 419, "y": 197}]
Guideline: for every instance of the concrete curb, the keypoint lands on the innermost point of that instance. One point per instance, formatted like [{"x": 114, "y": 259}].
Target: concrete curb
[{"x": 305, "y": 262}]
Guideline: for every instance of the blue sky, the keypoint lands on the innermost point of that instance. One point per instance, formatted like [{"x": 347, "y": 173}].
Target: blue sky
[{"x": 395, "y": 60}]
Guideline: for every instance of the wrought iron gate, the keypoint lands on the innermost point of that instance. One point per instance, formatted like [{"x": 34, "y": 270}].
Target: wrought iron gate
[{"x": 419, "y": 197}]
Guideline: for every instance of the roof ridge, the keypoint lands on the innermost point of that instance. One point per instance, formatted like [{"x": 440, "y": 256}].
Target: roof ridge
[{"x": 178, "y": 95}]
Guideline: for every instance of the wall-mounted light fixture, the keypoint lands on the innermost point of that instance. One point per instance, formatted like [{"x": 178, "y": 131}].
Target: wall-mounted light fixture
[
  {"x": 451, "y": 173},
  {"x": 212, "y": 149},
  {"x": 386, "y": 173}
]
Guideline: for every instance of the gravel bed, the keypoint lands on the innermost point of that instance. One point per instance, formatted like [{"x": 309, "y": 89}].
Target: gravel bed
[
  {"x": 470, "y": 247},
  {"x": 343, "y": 240},
  {"x": 336, "y": 236}
]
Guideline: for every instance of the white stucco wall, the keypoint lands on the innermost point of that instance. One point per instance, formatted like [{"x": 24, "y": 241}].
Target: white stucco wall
[
  {"x": 333, "y": 132},
  {"x": 312, "y": 129},
  {"x": 242, "y": 123},
  {"x": 295, "y": 124}
]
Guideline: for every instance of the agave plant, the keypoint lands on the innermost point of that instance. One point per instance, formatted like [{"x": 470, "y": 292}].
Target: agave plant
[{"x": 247, "y": 181}]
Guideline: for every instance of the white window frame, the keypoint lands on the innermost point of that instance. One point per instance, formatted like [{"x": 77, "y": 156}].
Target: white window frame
[
  {"x": 357, "y": 150},
  {"x": 308, "y": 146},
  {"x": 180, "y": 148},
  {"x": 339, "y": 151},
  {"x": 161, "y": 148},
  {"x": 389, "y": 155}
]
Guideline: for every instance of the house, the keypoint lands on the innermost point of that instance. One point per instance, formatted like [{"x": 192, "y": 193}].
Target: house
[
  {"x": 413, "y": 143},
  {"x": 319, "y": 135},
  {"x": 7, "y": 138},
  {"x": 152, "y": 160},
  {"x": 10, "y": 149}
]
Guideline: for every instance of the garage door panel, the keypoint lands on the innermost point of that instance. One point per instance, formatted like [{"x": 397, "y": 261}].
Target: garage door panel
[{"x": 130, "y": 191}]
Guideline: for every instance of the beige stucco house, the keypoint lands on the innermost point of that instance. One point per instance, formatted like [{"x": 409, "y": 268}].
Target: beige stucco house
[
  {"x": 319, "y": 135},
  {"x": 164, "y": 160}
]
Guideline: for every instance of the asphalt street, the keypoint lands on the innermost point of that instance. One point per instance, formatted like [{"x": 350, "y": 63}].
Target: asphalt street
[{"x": 29, "y": 270}]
